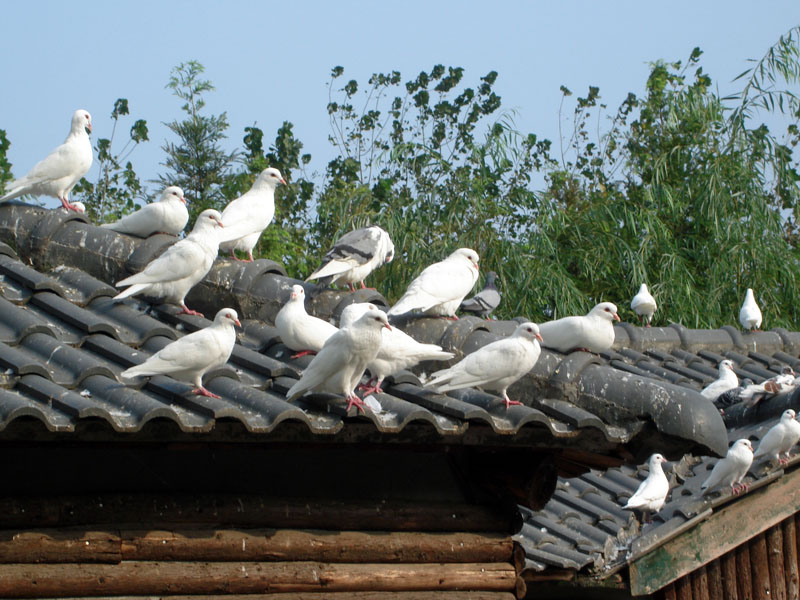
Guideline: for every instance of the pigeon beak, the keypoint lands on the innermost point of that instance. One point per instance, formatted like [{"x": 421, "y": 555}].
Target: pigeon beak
[
  {"x": 616, "y": 317},
  {"x": 219, "y": 222},
  {"x": 183, "y": 199},
  {"x": 89, "y": 127},
  {"x": 282, "y": 180},
  {"x": 538, "y": 336},
  {"x": 237, "y": 322},
  {"x": 389, "y": 327}
]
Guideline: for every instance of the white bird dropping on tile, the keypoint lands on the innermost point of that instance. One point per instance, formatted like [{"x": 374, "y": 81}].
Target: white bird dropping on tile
[
  {"x": 398, "y": 350},
  {"x": 494, "y": 366},
  {"x": 168, "y": 215},
  {"x": 731, "y": 469},
  {"x": 644, "y": 305},
  {"x": 246, "y": 217},
  {"x": 299, "y": 331},
  {"x": 340, "y": 364},
  {"x": 779, "y": 439},
  {"x": 441, "y": 287},
  {"x": 181, "y": 267},
  {"x": 353, "y": 257},
  {"x": 192, "y": 356},
  {"x": 58, "y": 172},
  {"x": 652, "y": 492},
  {"x": 726, "y": 380},
  {"x": 750, "y": 314},
  {"x": 593, "y": 332}
]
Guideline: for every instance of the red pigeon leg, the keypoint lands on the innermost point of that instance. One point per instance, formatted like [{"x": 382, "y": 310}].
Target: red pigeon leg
[{"x": 201, "y": 391}]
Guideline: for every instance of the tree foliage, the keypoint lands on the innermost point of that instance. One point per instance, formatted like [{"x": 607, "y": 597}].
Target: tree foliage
[
  {"x": 118, "y": 187},
  {"x": 196, "y": 162},
  {"x": 5, "y": 164}
]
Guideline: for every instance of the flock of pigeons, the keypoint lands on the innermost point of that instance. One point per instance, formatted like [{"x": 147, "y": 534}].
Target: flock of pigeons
[{"x": 365, "y": 339}]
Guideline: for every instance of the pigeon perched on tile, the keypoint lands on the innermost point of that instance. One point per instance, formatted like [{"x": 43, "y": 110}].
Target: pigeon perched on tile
[
  {"x": 398, "y": 350},
  {"x": 750, "y": 314},
  {"x": 246, "y": 217},
  {"x": 181, "y": 267},
  {"x": 192, "y": 356},
  {"x": 340, "y": 364},
  {"x": 780, "y": 439},
  {"x": 779, "y": 384},
  {"x": 484, "y": 302},
  {"x": 353, "y": 257},
  {"x": 726, "y": 380},
  {"x": 168, "y": 215},
  {"x": 731, "y": 469},
  {"x": 299, "y": 331},
  {"x": 494, "y": 366},
  {"x": 732, "y": 396},
  {"x": 593, "y": 332},
  {"x": 58, "y": 172},
  {"x": 441, "y": 287},
  {"x": 652, "y": 492},
  {"x": 644, "y": 305}
]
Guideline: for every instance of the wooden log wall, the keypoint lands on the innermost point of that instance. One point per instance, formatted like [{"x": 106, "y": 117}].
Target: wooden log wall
[
  {"x": 766, "y": 567},
  {"x": 103, "y": 562}
]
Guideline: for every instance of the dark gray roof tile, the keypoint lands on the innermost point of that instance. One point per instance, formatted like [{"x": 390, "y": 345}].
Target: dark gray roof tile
[
  {"x": 66, "y": 365},
  {"x": 28, "y": 276},
  {"x": 16, "y": 322},
  {"x": 75, "y": 316},
  {"x": 132, "y": 326},
  {"x": 79, "y": 287},
  {"x": 14, "y": 405},
  {"x": 20, "y": 362}
]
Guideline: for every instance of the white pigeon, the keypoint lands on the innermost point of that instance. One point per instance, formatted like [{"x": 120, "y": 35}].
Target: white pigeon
[
  {"x": 340, "y": 364},
  {"x": 644, "y": 305},
  {"x": 441, "y": 287},
  {"x": 780, "y": 439},
  {"x": 593, "y": 332},
  {"x": 727, "y": 380},
  {"x": 58, "y": 172},
  {"x": 168, "y": 215},
  {"x": 652, "y": 492},
  {"x": 750, "y": 314},
  {"x": 181, "y": 267},
  {"x": 354, "y": 256},
  {"x": 299, "y": 331},
  {"x": 494, "y": 366},
  {"x": 192, "y": 356},
  {"x": 731, "y": 469},
  {"x": 246, "y": 217},
  {"x": 779, "y": 384},
  {"x": 398, "y": 350}
]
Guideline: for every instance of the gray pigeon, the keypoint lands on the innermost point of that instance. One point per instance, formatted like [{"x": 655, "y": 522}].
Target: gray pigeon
[{"x": 484, "y": 302}]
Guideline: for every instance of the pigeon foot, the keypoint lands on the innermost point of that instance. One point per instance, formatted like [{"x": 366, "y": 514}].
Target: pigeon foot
[
  {"x": 188, "y": 311},
  {"x": 370, "y": 389},
  {"x": 201, "y": 391},
  {"x": 68, "y": 205},
  {"x": 510, "y": 402},
  {"x": 303, "y": 353},
  {"x": 354, "y": 400}
]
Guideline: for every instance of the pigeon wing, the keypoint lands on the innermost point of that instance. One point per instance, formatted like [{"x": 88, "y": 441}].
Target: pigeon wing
[{"x": 178, "y": 262}]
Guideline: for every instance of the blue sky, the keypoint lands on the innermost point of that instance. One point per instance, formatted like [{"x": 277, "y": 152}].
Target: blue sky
[{"x": 270, "y": 62}]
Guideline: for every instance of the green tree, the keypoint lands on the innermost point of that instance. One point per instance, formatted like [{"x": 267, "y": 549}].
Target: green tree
[
  {"x": 197, "y": 163},
  {"x": 117, "y": 187},
  {"x": 286, "y": 239},
  {"x": 686, "y": 196},
  {"x": 5, "y": 164},
  {"x": 429, "y": 160}
]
